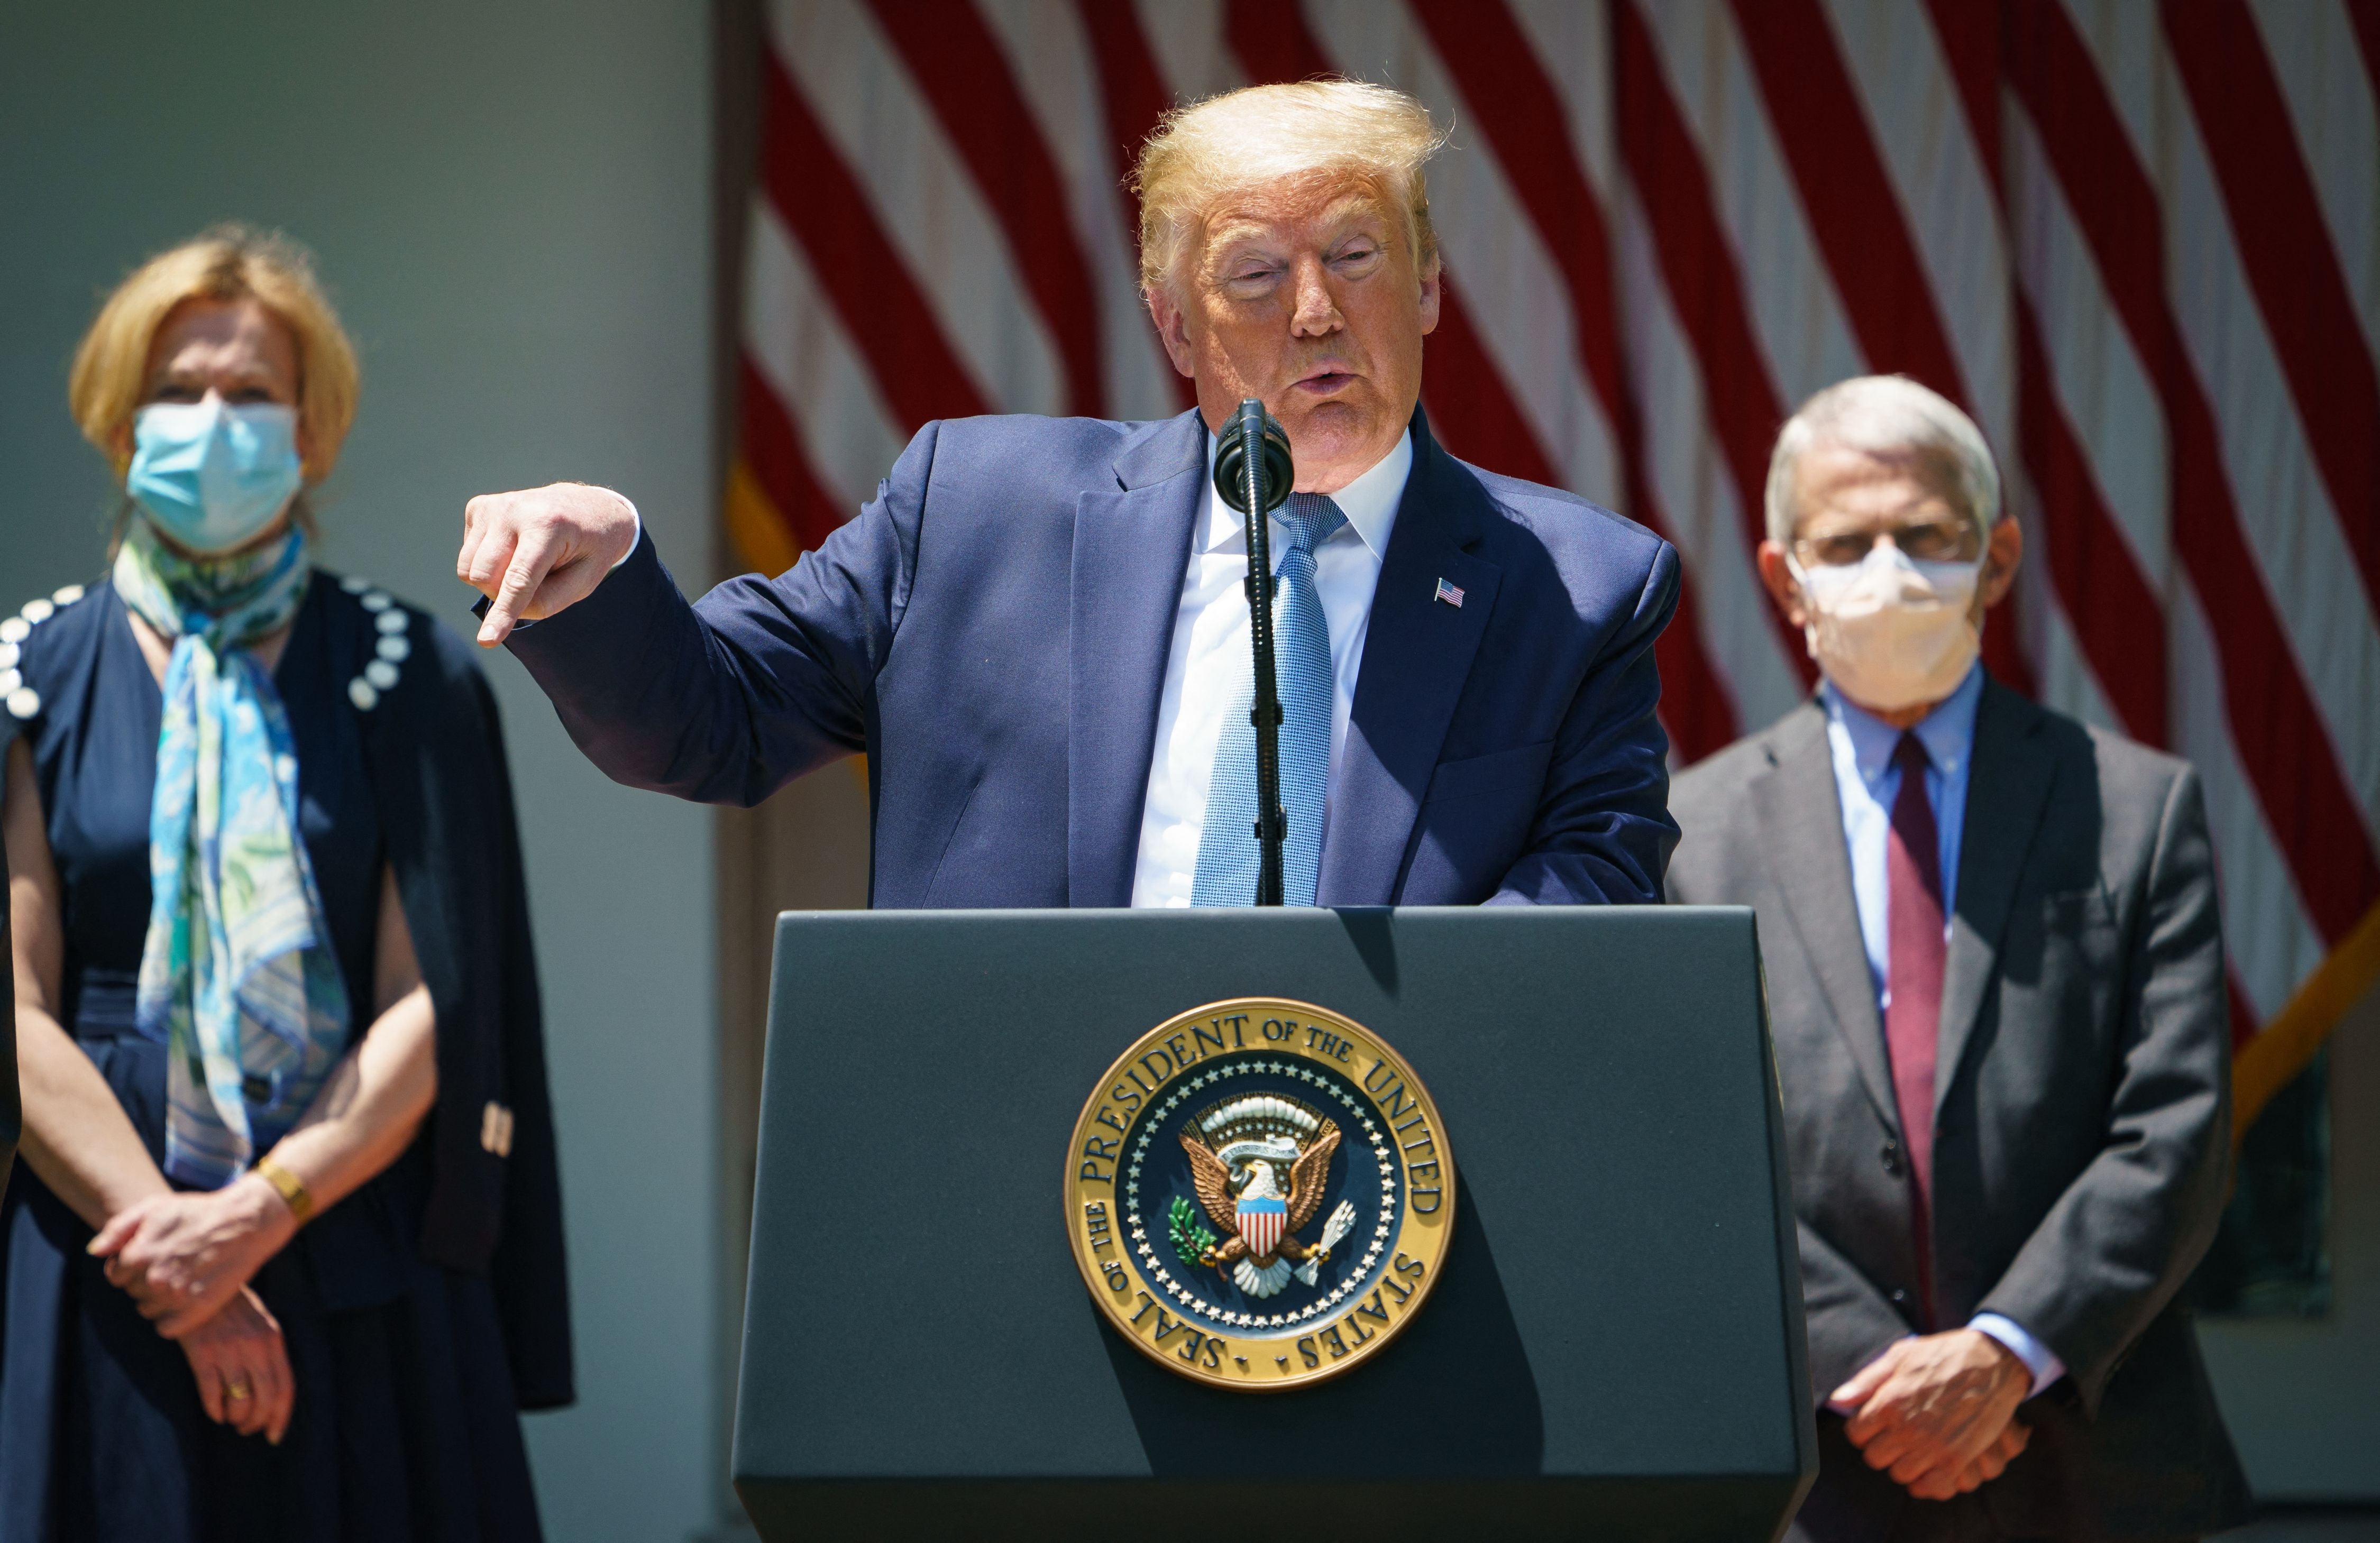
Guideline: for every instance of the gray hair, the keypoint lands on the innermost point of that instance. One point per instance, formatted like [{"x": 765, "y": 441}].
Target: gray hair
[{"x": 1882, "y": 415}]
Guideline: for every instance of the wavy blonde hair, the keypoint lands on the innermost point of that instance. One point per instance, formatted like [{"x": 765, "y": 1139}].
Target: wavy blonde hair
[
  {"x": 1371, "y": 136},
  {"x": 228, "y": 262}
]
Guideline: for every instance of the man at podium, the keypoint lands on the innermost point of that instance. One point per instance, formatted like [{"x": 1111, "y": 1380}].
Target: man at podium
[{"x": 1037, "y": 630}]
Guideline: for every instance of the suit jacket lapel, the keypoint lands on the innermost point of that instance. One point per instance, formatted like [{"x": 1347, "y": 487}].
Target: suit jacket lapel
[
  {"x": 1417, "y": 654},
  {"x": 1799, "y": 809},
  {"x": 2008, "y": 776},
  {"x": 1131, "y": 548}
]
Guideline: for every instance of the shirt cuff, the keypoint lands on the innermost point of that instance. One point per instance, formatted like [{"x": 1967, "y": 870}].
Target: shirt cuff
[
  {"x": 2038, "y": 1358},
  {"x": 632, "y": 540}
]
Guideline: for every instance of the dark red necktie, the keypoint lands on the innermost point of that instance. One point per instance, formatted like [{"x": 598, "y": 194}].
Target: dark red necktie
[{"x": 1913, "y": 1016}]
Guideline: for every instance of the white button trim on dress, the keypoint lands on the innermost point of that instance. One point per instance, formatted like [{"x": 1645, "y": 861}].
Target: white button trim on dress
[
  {"x": 377, "y": 600},
  {"x": 66, "y": 594},
  {"x": 381, "y": 672},
  {"x": 24, "y": 701},
  {"x": 9, "y": 654},
  {"x": 392, "y": 620},
  {"x": 355, "y": 586},
  {"x": 16, "y": 629},
  {"x": 363, "y": 694},
  {"x": 38, "y": 610},
  {"x": 394, "y": 649},
  {"x": 9, "y": 681}
]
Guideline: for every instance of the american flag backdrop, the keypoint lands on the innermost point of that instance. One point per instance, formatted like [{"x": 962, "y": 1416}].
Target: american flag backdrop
[{"x": 2139, "y": 243}]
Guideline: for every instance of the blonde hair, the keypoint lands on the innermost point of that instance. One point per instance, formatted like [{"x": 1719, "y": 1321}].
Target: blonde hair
[
  {"x": 1882, "y": 415},
  {"x": 228, "y": 262},
  {"x": 1364, "y": 133}
]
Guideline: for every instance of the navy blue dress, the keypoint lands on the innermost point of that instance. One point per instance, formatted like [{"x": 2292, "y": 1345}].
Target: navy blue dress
[{"x": 404, "y": 1424}]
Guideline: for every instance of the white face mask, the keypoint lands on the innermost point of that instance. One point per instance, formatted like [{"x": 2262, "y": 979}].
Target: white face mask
[{"x": 1891, "y": 633}]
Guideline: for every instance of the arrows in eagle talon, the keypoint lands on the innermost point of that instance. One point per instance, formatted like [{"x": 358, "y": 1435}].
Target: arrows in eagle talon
[{"x": 1342, "y": 1223}]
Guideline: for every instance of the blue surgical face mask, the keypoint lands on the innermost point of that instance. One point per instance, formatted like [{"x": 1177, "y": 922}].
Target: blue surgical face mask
[{"x": 213, "y": 475}]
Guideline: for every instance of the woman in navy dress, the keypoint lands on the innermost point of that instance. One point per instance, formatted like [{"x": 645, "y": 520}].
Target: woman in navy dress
[{"x": 281, "y": 1257}]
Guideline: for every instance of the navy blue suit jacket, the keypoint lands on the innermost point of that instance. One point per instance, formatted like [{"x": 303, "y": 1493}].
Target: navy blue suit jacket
[{"x": 992, "y": 631}]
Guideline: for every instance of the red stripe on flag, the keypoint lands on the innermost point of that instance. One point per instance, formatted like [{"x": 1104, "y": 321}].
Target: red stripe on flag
[
  {"x": 2365, "y": 14},
  {"x": 1273, "y": 42},
  {"x": 1739, "y": 399},
  {"x": 1133, "y": 96},
  {"x": 772, "y": 448},
  {"x": 964, "y": 75},
  {"x": 875, "y": 296},
  {"x": 1855, "y": 214},
  {"x": 1132, "y": 91},
  {"x": 2116, "y": 619},
  {"x": 1970, "y": 35},
  {"x": 2284, "y": 243},
  {"x": 1846, "y": 196},
  {"x": 1519, "y": 109},
  {"x": 1471, "y": 409},
  {"x": 2275, "y": 727}
]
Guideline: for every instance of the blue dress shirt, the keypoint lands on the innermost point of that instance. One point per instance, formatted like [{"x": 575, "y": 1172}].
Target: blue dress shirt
[{"x": 1866, "y": 785}]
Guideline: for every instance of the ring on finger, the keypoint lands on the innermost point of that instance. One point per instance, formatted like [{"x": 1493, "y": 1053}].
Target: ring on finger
[{"x": 236, "y": 1388}]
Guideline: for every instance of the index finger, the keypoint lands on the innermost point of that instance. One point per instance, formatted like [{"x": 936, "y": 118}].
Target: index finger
[
  {"x": 118, "y": 1231},
  {"x": 1863, "y": 1382},
  {"x": 282, "y": 1400}
]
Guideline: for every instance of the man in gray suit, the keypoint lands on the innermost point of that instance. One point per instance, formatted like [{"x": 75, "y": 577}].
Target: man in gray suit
[{"x": 1994, "y": 975}]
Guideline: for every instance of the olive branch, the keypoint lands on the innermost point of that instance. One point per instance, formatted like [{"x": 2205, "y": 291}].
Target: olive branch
[{"x": 1191, "y": 1239}]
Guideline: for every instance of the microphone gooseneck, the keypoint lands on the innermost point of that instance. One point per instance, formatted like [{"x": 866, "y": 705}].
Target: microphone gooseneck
[{"x": 1255, "y": 484}]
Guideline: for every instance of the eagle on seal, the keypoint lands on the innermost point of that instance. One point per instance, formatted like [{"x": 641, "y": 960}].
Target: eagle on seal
[{"x": 1259, "y": 1165}]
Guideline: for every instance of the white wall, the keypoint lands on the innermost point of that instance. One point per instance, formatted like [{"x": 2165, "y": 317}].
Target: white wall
[{"x": 511, "y": 201}]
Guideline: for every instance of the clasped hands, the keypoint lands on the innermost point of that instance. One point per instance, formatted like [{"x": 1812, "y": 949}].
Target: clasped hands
[
  {"x": 186, "y": 1258},
  {"x": 1938, "y": 1411}
]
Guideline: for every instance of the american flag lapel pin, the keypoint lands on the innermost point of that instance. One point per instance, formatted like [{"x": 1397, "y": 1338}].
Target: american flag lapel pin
[{"x": 1449, "y": 594}]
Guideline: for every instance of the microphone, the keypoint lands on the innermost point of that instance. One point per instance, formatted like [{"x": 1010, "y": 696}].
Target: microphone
[
  {"x": 1254, "y": 473},
  {"x": 1252, "y": 422}
]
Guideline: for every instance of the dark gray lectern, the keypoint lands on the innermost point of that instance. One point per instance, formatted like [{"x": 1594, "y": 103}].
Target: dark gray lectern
[{"x": 1614, "y": 1348}]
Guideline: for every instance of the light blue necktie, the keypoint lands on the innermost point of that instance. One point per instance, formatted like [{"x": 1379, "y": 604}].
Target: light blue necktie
[{"x": 1227, "y": 844}]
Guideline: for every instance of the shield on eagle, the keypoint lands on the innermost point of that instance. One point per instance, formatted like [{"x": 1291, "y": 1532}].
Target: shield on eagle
[{"x": 1262, "y": 1218}]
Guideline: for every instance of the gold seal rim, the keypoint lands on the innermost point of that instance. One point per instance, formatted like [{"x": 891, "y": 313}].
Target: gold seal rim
[{"x": 1094, "y": 1280}]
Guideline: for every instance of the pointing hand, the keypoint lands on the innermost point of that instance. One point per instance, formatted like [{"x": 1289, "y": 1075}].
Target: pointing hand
[{"x": 538, "y": 553}]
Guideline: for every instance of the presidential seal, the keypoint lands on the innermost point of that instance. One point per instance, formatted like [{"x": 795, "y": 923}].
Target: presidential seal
[{"x": 1259, "y": 1194}]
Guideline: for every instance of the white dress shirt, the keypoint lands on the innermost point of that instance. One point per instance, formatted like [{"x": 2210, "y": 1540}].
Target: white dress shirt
[
  {"x": 1208, "y": 660},
  {"x": 1867, "y": 783}
]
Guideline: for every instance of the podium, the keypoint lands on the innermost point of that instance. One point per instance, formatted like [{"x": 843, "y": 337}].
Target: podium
[{"x": 1613, "y": 1348}]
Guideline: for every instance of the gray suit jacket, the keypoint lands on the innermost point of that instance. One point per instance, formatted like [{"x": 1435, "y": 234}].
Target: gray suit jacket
[{"x": 2082, "y": 1107}]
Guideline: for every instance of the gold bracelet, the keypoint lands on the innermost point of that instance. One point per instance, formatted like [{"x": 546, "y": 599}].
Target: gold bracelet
[{"x": 290, "y": 1186}]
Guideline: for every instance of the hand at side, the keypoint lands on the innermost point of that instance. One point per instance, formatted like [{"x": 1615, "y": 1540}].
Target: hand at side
[
  {"x": 1932, "y": 1411},
  {"x": 536, "y": 553}
]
